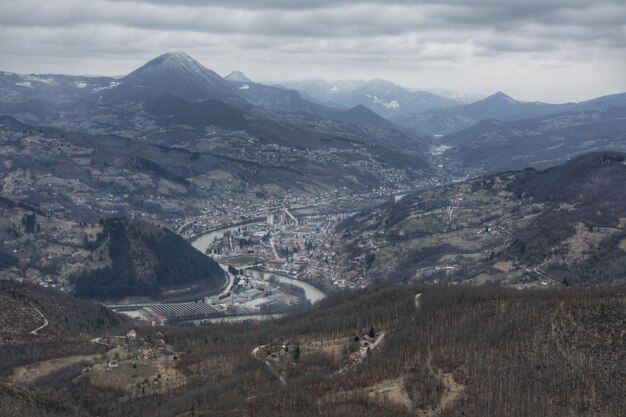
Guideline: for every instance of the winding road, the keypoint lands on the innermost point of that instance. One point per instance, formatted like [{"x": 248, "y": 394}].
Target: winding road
[
  {"x": 45, "y": 321},
  {"x": 269, "y": 365}
]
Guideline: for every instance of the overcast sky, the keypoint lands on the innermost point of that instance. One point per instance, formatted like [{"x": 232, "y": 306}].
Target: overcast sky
[{"x": 549, "y": 50}]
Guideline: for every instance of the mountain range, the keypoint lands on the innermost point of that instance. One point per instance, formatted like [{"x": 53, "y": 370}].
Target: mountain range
[
  {"x": 174, "y": 101},
  {"x": 494, "y": 145},
  {"x": 381, "y": 96},
  {"x": 499, "y": 106}
]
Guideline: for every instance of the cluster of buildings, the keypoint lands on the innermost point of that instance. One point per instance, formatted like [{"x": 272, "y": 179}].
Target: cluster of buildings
[
  {"x": 300, "y": 246},
  {"x": 254, "y": 296}
]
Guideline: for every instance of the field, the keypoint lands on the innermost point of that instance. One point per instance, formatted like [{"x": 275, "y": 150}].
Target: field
[
  {"x": 31, "y": 373},
  {"x": 139, "y": 377}
]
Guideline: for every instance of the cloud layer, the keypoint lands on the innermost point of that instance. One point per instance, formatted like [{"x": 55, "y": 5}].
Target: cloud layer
[{"x": 550, "y": 50}]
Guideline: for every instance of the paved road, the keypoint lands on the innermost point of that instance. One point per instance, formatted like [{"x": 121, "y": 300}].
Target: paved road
[{"x": 274, "y": 248}]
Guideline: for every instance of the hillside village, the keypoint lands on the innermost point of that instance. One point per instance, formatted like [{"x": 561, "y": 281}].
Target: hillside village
[{"x": 288, "y": 358}]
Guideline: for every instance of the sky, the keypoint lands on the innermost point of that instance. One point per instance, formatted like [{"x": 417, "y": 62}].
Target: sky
[{"x": 548, "y": 50}]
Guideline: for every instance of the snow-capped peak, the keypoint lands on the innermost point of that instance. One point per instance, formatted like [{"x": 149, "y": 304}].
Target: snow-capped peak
[{"x": 237, "y": 77}]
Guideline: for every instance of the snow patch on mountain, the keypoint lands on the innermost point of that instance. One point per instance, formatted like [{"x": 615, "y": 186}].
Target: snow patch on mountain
[
  {"x": 111, "y": 85},
  {"x": 34, "y": 78},
  {"x": 391, "y": 104}
]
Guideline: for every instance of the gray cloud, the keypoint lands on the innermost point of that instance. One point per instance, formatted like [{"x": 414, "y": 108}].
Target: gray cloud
[{"x": 447, "y": 43}]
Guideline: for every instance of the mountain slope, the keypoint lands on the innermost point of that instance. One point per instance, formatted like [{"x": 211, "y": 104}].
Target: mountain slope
[
  {"x": 172, "y": 111},
  {"x": 518, "y": 228},
  {"x": 490, "y": 352},
  {"x": 361, "y": 114},
  {"x": 272, "y": 98},
  {"x": 144, "y": 260},
  {"x": 71, "y": 324}
]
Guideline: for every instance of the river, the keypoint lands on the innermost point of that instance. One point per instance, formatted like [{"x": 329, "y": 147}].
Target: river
[
  {"x": 310, "y": 292},
  {"x": 202, "y": 242}
]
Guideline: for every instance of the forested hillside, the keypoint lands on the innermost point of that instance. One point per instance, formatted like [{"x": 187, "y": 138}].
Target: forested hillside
[
  {"x": 70, "y": 324},
  {"x": 476, "y": 352},
  {"x": 561, "y": 226},
  {"x": 136, "y": 258}
]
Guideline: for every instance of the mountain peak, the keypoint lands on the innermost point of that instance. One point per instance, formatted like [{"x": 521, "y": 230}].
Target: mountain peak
[
  {"x": 178, "y": 55},
  {"x": 360, "y": 109},
  {"x": 237, "y": 77},
  {"x": 180, "y": 75},
  {"x": 501, "y": 97},
  {"x": 175, "y": 60}
]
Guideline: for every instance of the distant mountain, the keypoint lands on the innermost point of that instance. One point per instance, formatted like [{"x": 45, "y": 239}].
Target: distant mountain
[
  {"x": 176, "y": 74},
  {"x": 323, "y": 91},
  {"x": 53, "y": 88},
  {"x": 273, "y": 98},
  {"x": 497, "y": 106},
  {"x": 604, "y": 102},
  {"x": 362, "y": 115},
  {"x": 286, "y": 100},
  {"x": 144, "y": 260},
  {"x": 381, "y": 96},
  {"x": 493, "y": 145},
  {"x": 237, "y": 77},
  {"x": 458, "y": 96}
]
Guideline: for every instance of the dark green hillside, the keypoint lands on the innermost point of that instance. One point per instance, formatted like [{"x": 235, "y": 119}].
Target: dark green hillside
[
  {"x": 179, "y": 263},
  {"x": 204, "y": 113},
  {"x": 144, "y": 259},
  {"x": 7, "y": 260}
]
